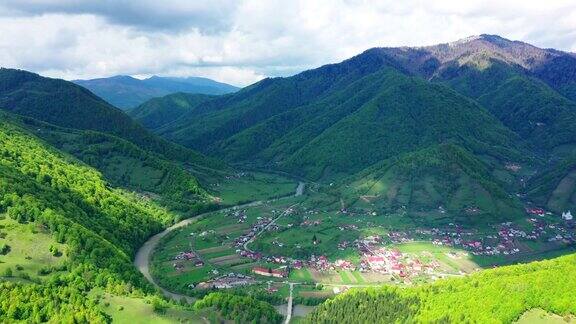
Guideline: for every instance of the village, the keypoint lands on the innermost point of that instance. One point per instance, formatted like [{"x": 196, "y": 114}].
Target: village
[{"x": 377, "y": 254}]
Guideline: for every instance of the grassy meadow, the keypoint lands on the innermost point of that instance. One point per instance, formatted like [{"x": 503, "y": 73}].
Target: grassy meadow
[{"x": 28, "y": 253}]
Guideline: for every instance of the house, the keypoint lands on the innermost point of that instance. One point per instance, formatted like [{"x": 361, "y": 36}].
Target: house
[
  {"x": 376, "y": 262},
  {"x": 272, "y": 289},
  {"x": 536, "y": 211},
  {"x": 269, "y": 272},
  {"x": 397, "y": 268},
  {"x": 567, "y": 216},
  {"x": 417, "y": 265},
  {"x": 297, "y": 264},
  {"x": 344, "y": 264}
]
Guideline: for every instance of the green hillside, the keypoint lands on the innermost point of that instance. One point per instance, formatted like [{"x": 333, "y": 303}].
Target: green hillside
[
  {"x": 101, "y": 228},
  {"x": 68, "y": 238},
  {"x": 555, "y": 187},
  {"x": 492, "y": 296},
  {"x": 66, "y": 104},
  {"x": 123, "y": 164},
  {"x": 317, "y": 134},
  {"x": 446, "y": 177},
  {"x": 405, "y": 115},
  {"x": 158, "y": 112},
  {"x": 219, "y": 119},
  {"x": 537, "y": 113}
]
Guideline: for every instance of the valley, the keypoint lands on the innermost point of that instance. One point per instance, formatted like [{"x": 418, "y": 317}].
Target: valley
[
  {"x": 411, "y": 184},
  {"x": 323, "y": 247}
]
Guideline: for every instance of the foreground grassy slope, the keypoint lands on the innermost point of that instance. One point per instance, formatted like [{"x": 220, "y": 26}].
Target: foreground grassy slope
[
  {"x": 101, "y": 228},
  {"x": 71, "y": 235},
  {"x": 492, "y": 296},
  {"x": 28, "y": 251}
]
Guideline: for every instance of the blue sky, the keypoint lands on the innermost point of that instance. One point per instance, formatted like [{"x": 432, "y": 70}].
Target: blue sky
[{"x": 241, "y": 42}]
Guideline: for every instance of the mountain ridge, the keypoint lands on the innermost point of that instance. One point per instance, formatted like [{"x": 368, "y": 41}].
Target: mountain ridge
[{"x": 127, "y": 92}]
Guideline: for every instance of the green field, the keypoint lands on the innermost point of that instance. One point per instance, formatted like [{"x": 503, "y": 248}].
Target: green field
[
  {"x": 253, "y": 186},
  {"x": 125, "y": 309},
  {"x": 29, "y": 250},
  {"x": 301, "y": 275},
  {"x": 538, "y": 316},
  {"x": 212, "y": 237}
]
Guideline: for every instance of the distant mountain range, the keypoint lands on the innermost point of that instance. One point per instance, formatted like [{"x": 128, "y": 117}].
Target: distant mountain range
[
  {"x": 127, "y": 92},
  {"x": 415, "y": 120}
]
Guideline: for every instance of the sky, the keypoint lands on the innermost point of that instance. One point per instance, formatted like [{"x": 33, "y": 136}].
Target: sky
[{"x": 241, "y": 42}]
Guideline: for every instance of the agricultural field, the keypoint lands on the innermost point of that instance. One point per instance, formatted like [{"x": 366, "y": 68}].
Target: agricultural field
[
  {"x": 28, "y": 251},
  {"x": 328, "y": 247},
  {"x": 246, "y": 187},
  {"x": 206, "y": 248}
]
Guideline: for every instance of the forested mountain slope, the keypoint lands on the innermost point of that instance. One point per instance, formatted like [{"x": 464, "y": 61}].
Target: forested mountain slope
[
  {"x": 492, "y": 296},
  {"x": 102, "y": 227},
  {"x": 66, "y": 104},
  {"x": 127, "y": 92},
  {"x": 158, "y": 112},
  {"x": 555, "y": 186},
  {"x": 512, "y": 80},
  {"x": 505, "y": 102},
  {"x": 522, "y": 85},
  {"x": 125, "y": 165},
  {"x": 439, "y": 180},
  {"x": 295, "y": 122}
]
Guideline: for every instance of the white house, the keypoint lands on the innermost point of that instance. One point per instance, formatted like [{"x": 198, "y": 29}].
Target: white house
[{"x": 567, "y": 216}]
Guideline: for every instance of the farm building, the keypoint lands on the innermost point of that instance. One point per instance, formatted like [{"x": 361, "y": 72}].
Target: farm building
[{"x": 269, "y": 272}]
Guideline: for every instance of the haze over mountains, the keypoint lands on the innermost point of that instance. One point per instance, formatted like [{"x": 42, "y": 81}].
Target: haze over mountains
[{"x": 127, "y": 92}]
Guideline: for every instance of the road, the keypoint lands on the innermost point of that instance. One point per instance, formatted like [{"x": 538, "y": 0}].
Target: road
[
  {"x": 142, "y": 260},
  {"x": 289, "y": 309},
  {"x": 286, "y": 211}
]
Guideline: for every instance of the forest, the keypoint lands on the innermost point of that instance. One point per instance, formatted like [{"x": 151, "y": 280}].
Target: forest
[{"x": 498, "y": 295}]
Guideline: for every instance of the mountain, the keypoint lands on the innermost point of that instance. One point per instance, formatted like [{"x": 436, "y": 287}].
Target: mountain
[
  {"x": 158, "y": 112},
  {"x": 65, "y": 104},
  {"x": 127, "y": 92},
  {"x": 295, "y": 122},
  {"x": 512, "y": 79},
  {"x": 78, "y": 122},
  {"x": 502, "y": 101}
]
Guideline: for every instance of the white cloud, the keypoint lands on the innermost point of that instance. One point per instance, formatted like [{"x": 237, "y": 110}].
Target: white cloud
[{"x": 243, "y": 41}]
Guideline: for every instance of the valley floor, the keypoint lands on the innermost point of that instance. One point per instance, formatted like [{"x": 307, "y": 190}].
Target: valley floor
[{"x": 326, "y": 248}]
